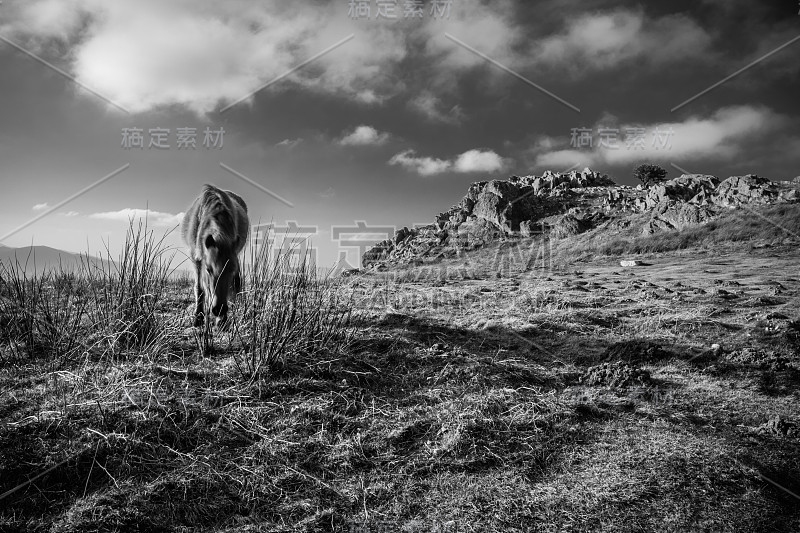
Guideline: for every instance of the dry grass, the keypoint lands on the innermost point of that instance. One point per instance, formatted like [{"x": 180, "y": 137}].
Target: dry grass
[
  {"x": 764, "y": 225},
  {"x": 439, "y": 404},
  {"x": 287, "y": 310}
]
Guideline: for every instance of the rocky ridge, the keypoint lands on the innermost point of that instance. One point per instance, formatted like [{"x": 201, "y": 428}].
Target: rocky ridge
[{"x": 562, "y": 204}]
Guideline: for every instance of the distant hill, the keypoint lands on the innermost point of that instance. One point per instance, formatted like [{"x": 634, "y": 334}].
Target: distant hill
[{"x": 41, "y": 258}]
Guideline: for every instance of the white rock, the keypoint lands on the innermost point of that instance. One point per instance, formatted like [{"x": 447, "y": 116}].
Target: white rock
[{"x": 630, "y": 263}]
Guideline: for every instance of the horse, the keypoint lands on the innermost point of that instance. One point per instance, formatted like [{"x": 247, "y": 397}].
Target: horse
[{"x": 215, "y": 229}]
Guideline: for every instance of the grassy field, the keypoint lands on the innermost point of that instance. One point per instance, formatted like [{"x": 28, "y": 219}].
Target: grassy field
[{"x": 518, "y": 388}]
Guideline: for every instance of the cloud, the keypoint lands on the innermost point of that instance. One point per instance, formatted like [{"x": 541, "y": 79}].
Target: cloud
[
  {"x": 289, "y": 143},
  {"x": 586, "y": 43},
  {"x": 492, "y": 28},
  {"x": 368, "y": 96},
  {"x": 364, "y": 136},
  {"x": 146, "y": 54},
  {"x": 600, "y": 41},
  {"x": 424, "y": 166},
  {"x": 128, "y": 49},
  {"x": 469, "y": 161},
  {"x": 70, "y": 213},
  {"x": 430, "y": 105},
  {"x": 722, "y": 136},
  {"x": 479, "y": 161},
  {"x": 154, "y": 218},
  {"x": 41, "y": 207}
]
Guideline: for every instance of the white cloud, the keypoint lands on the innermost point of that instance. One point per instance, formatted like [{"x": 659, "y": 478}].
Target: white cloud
[
  {"x": 145, "y": 54},
  {"x": 431, "y": 107},
  {"x": 41, "y": 207},
  {"x": 289, "y": 143},
  {"x": 70, "y": 213},
  {"x": 364, "y": 136},
  {"x": 154, "y": 218},
  {"x": 368, "y": 96},
  {"x": 128, "y": 49},
  {"x": 727, "y": 132},
  {"x": 600, "y": 41},
  {"x": 491, "y": 28},
  {"x": 595, "y": 41},
  {"x": 424, "y": 166},
  {"x": 479, "y": 161},
  {"x": 469, "y": 161}
]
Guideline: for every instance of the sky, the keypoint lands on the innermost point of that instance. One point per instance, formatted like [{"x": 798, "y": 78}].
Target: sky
[{"x": 343, "y": 120}]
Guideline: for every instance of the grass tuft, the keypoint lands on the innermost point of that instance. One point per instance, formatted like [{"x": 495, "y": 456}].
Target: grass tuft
[{"x": 287, "y": 309}]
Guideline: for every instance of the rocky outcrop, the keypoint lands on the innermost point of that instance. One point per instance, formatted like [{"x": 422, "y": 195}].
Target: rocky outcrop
[
  {"x": 749, "y": 189},
  {"x": 672, "y": 216},
  {"x": 692, "y": 188},
  {"x": 562, "y": 205},
  {"x": 506, "y": 204},
  {"x": 574, "y": 224}
]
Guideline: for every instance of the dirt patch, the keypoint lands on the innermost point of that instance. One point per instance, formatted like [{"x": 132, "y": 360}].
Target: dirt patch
[
  {"x": 634, "y": 352},
  {"x": 615, "y": 375}
]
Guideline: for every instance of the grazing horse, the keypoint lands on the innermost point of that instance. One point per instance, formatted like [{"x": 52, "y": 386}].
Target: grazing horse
[{"x": 215, "y": 230}]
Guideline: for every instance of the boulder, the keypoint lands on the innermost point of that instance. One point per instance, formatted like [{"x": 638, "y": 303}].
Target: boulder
[
  {"x": 377, "y": 253},
  {"x": 567, "y": 226},
  {"x": 749, "y": 189},
  {"x": 401, "y": 235},
  {"x": 674, "y": 216},
  {"x": 574, "y": 224},
  {"x": 475, "y": 232},
  {"x": 692, "y": 188},
  {"x": 528, "y": 228},
  {"x": 506, "y": 204}
]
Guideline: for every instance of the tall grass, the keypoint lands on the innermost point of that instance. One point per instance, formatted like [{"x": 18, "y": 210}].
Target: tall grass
[
  {"x": 106, "y": 305},
  {"x": 127, "y": 292},
  {"x": 287, "y": 309},
  {"x": 41, "y": 314}
]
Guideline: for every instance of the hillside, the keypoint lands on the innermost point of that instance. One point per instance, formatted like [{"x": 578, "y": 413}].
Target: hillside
[
  {"x": 40, "y": 259},
  {"x": 556, "y": 207}
]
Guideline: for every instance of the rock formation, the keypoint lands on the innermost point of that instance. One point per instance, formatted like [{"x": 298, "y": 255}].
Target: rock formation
[{"x": 562, "y": 205}]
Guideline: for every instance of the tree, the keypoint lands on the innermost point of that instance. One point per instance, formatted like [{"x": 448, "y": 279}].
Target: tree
[{"x": 649, "y": 174}]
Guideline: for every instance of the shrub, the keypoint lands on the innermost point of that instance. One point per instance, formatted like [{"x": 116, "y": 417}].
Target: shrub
[{"x": 649, "y": 174}]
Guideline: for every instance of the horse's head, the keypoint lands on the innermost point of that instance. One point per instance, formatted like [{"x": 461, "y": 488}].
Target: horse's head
[{"x": 221, "y": 274}]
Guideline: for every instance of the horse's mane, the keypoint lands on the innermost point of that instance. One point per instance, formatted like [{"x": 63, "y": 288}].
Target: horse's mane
[{"x": 217, "y": 206}]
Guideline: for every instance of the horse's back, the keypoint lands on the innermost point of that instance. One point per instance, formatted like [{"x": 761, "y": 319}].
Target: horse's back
[
  {"x": 192, "y": 220},
  {"x": 242, "y": 220}
]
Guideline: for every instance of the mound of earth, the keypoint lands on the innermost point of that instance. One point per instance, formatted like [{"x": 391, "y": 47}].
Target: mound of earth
[
  {"x": 634, "y": 351},
  {"x": 615, "y": 375}
]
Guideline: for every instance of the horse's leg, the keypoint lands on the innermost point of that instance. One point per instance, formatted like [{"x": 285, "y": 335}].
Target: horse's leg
[{"x": 199, "y": 296}]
